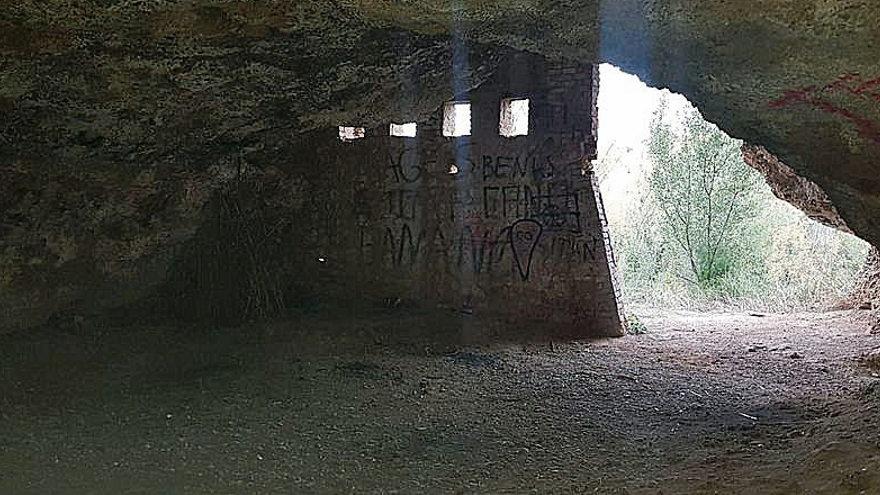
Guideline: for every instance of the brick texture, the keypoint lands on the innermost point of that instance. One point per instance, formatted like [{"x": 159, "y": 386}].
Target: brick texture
[{"x": 518, "y": 232}]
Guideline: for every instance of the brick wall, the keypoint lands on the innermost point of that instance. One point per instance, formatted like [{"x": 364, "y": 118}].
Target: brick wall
[{"x": 517, "y": 232}]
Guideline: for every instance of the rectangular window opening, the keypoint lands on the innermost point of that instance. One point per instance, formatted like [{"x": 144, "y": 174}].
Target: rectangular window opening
[
  {"x": 404, "y": 130},
  {"x": 347, "y": 134},
  {"x": 514, "y": 117},
  {"x": 457, "y": 119}
]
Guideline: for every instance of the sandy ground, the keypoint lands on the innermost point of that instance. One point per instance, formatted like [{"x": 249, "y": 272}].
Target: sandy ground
[{"x": 394, "y": 402}]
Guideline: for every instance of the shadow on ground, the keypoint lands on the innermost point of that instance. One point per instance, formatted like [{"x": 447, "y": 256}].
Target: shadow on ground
[{"x": 408, "y": 402}]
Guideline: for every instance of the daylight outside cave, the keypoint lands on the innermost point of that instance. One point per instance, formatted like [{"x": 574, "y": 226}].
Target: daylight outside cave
[{"x": 695, "y": 227}]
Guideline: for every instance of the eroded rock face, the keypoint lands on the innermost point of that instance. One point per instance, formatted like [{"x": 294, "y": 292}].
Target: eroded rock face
[
  {"x": 865, "y": 293},
  {"x": 125, "y": 122},
  {"x": 80, "y": 242},
  {"x": 812, "y": 200},
  {"x": 790, "y": 187},
  {"x": 123, "y": 118}
]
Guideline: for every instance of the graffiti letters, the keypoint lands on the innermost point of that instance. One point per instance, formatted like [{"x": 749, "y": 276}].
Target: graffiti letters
[
  {"x": 402, "y": 246},
  {"x": 404, "y": 166},
  {"x": 499, "y": 214},
  {"x": 401, "y": 204},
  {"x": 576, "y": 249},
  {"x": 513, "y": 167},
  {"x": 555, "y": 206}
]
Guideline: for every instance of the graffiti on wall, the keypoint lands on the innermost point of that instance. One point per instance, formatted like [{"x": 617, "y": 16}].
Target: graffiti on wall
[
  {"x": 524, "y": 236},
  {"x": 407, "y": 245},
  {"x": 840, "y": 97},
  {"x": 556, "y": 206},
  {"x": 490, "y": 224},
  {"x": 497, "y": 214}
]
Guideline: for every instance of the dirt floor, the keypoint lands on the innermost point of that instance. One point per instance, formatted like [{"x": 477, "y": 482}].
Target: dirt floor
[{"x": 395, "y": 402}]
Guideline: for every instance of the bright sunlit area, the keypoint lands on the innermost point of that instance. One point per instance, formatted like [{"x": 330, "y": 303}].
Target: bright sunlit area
[
  {"x": 457, "y": 119},
  {"x": 693, "y": 226}
]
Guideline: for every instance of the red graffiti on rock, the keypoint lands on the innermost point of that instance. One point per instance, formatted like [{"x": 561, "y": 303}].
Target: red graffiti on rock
[{"x": 847, "y": 85}]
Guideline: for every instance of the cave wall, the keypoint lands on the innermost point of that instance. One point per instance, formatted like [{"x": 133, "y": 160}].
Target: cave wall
[
  {"x": 865, "y": 293},
  {"x": 81, "y": 241}
]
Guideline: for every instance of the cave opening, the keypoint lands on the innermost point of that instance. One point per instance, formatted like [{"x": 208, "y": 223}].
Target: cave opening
[{"x": 695, "y": 227}]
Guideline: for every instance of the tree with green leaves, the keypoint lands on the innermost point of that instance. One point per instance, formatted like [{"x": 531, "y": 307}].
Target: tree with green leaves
[
  {"x": 700, "y": 227},
  {"x": 706, "y": 196}
]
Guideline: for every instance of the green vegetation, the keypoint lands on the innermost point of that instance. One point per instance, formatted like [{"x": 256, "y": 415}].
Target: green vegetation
[
  {"x": 705, "y": 230},
  {"x": 636, "y": 327}
]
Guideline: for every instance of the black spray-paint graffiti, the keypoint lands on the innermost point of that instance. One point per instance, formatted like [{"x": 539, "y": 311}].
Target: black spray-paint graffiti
[
  {"x": 576, "y": 249},
  {"x": 524, "y": 236},
  {"x": 480, "y": 249},
  {"x": 401, "y": 204},
  {"x": 511, "y": 167},
  {"x": 404, "y": 246},
  {"x": 404, "y": 167},
  {"x": 555, "y": 206}
]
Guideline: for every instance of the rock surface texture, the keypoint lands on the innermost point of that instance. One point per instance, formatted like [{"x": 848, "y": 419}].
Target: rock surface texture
[
  {"x": 866, "y": 290},
  {"x": 125, "y": 121},
  {"x": 790, "y": 187}
]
